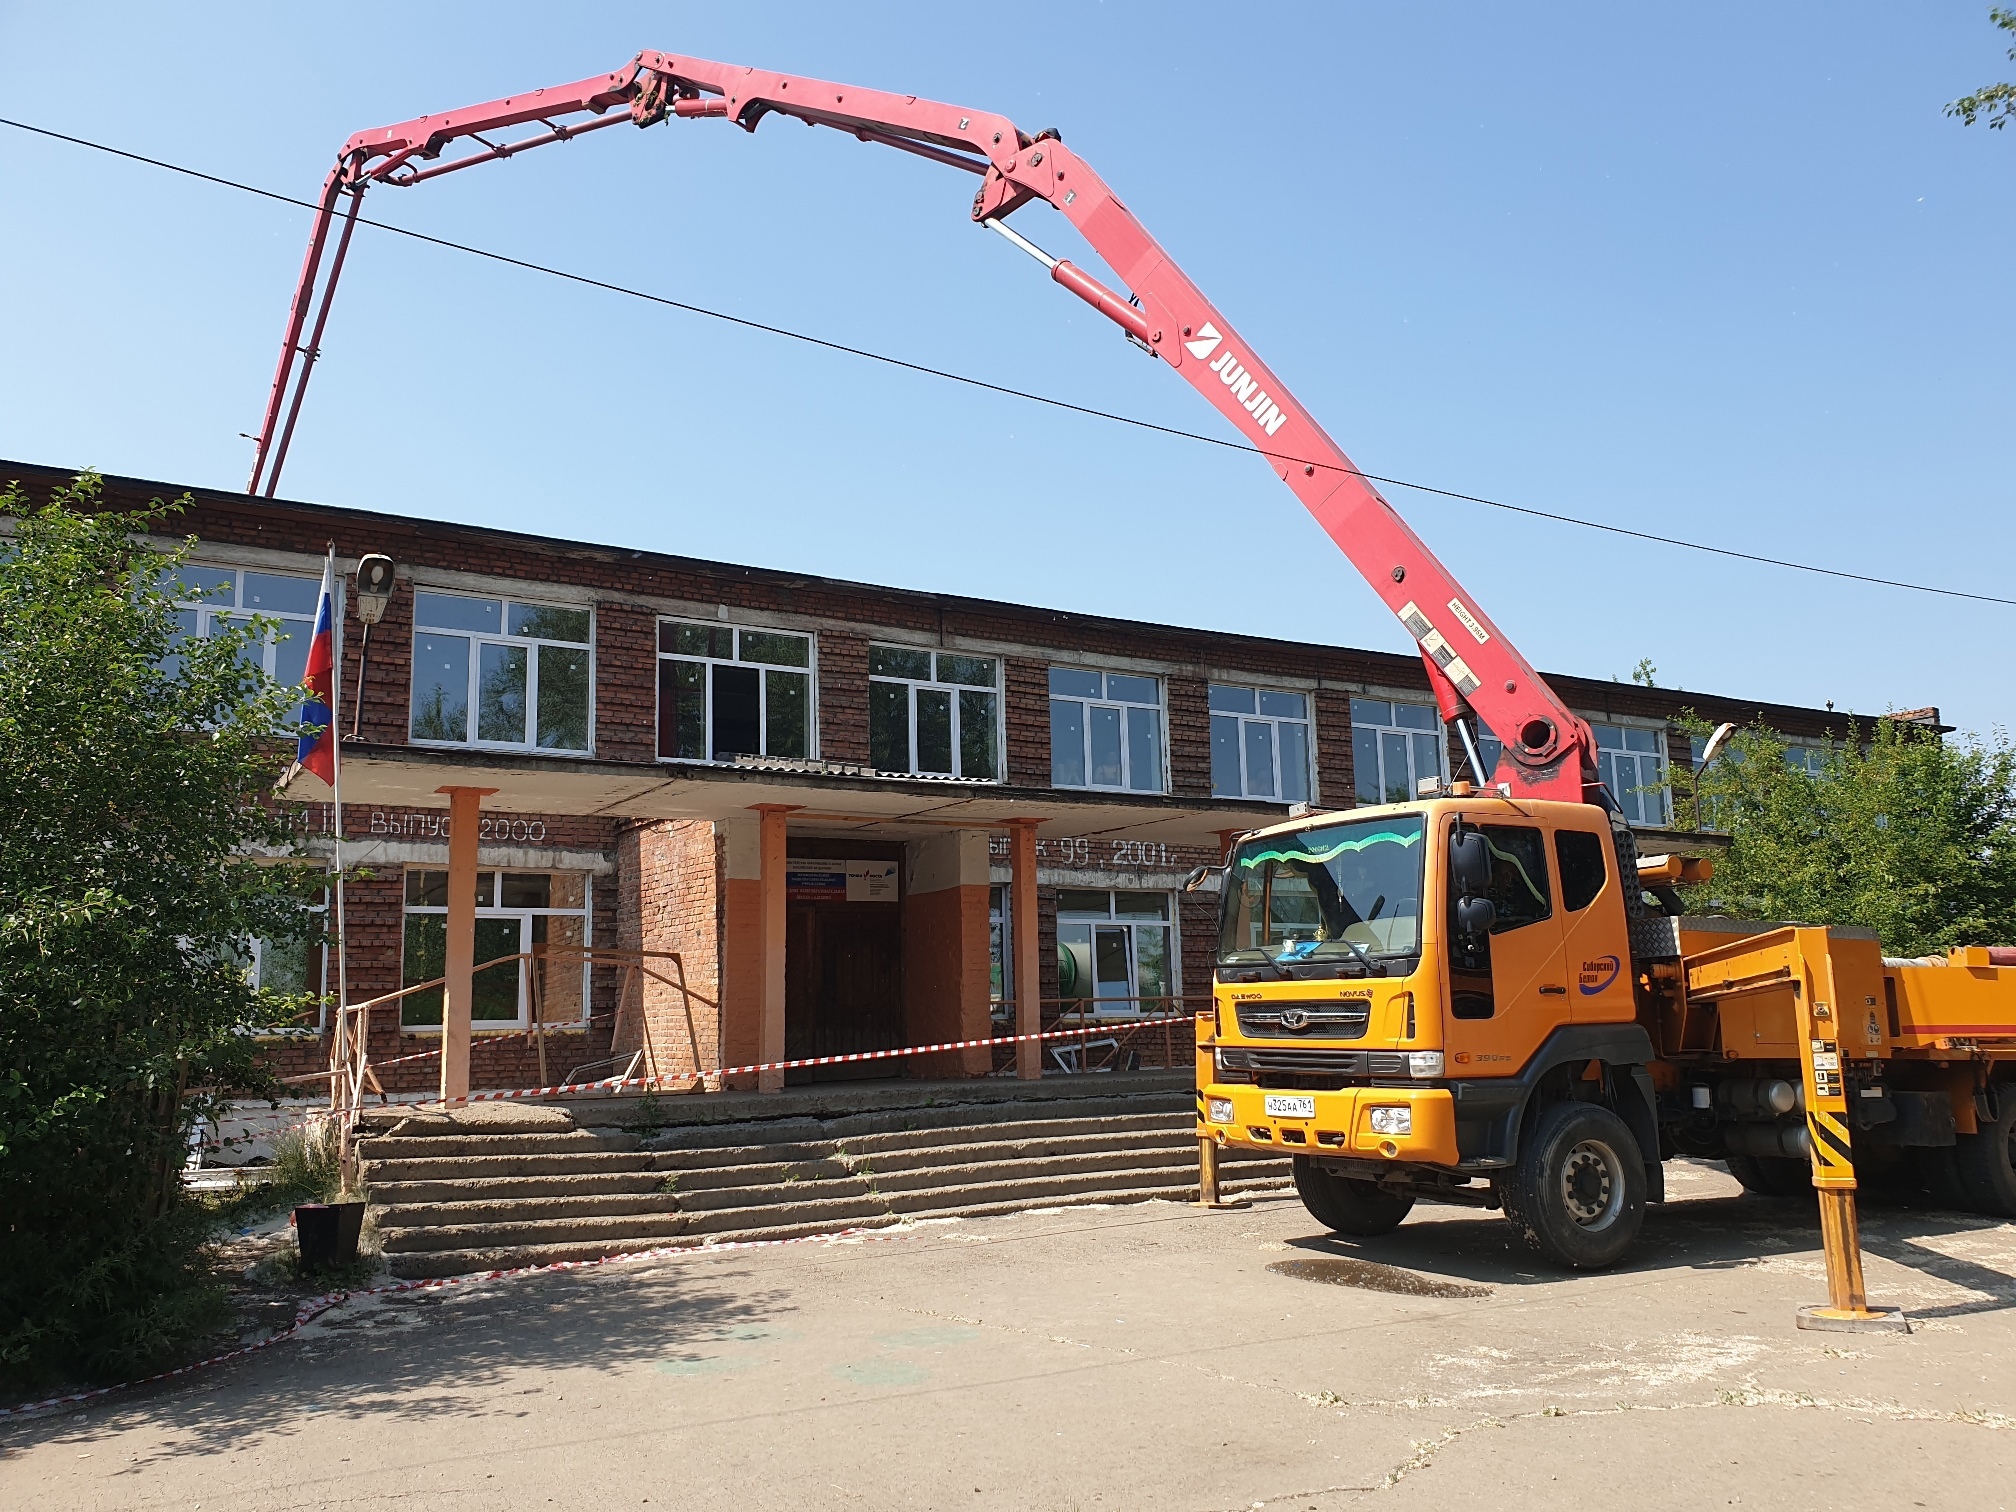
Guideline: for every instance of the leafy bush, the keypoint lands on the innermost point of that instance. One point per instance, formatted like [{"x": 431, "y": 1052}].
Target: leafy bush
[
  {"x": 1899, "y": 831},
  {"x": 136, "y": 766}
]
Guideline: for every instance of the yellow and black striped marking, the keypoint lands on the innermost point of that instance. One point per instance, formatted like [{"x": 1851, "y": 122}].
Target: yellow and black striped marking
[{"x": 1833, "y": 1156}]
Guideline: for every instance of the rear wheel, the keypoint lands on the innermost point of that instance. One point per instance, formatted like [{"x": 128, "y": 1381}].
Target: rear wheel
[
  {"x": 1985, "y": 1163},
  {"x": 1772, "y": 1175},
  {"x": 1577, "y": 1191},
  {"x": 1361, "y": 1209}
]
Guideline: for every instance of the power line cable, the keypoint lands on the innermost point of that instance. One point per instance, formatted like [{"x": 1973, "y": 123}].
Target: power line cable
[{"x": 587, "y": 281}]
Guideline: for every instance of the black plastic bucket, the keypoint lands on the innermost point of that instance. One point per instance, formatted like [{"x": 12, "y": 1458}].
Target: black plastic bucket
[{"x": 326, "y": 1233}]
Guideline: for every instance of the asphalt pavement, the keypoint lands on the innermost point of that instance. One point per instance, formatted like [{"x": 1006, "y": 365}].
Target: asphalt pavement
[{"x": 1149, "y": 1356}]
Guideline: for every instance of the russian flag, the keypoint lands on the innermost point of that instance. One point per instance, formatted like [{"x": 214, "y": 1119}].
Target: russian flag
[{"x": 317, "y": 750}]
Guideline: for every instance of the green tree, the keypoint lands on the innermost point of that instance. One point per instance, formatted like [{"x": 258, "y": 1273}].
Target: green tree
[
  {"x": 1899, "y": 831},
  {"x": 1994, "y": 102},
  {"x": 136, "y": 766}
]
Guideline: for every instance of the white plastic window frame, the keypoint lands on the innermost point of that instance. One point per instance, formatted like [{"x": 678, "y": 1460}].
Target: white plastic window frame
[
  {"x": 585, "y": 913},
  {"x": 297, "y": 627},
  {"x": 477, "y": 640},
  {"x": 1278, "y": 776},
  {"x": 1621, "y": 768},
  {"x": 1429, "y": 734},
  {"x": 937, "y": 684},
  {"x": 1086, "y": 704},
  {"x": 810, "y": 672},
  {"x": 1171, "y": 926}
]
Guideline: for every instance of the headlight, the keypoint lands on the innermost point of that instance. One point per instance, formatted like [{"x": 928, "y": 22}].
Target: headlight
[
  {"x": 1424, "y": 1062},
  {"x": 1218, "y": 1109},
  {"x": 1392, "y": 1120}
]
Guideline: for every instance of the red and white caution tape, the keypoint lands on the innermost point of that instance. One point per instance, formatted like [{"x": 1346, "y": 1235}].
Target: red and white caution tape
[
  {"x": 611, "y": 1083},
  {"x": 314, "y": 1307}
]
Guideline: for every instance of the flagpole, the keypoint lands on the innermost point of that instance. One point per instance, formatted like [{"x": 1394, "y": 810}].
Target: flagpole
[{"x": 341, "y": 1046}]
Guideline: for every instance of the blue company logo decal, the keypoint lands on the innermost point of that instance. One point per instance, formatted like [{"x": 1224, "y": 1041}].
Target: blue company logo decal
[{"x": 1598, "y": 974}]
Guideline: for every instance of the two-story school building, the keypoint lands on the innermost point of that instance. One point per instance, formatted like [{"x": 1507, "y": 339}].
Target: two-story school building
[{"x": 827, "y": 797}]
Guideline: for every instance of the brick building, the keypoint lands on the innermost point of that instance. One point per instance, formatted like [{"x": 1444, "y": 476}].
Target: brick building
[{"x": 809, "y": 789}]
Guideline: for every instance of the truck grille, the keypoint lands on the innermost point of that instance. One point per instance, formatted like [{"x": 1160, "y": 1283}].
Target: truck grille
[
  {"x": 1306, "y": 1021},
  {"x": 1311, "y": 1068}
]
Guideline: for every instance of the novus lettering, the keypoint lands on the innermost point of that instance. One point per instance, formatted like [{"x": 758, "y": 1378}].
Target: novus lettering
[{"x": 1235, "y": 376}]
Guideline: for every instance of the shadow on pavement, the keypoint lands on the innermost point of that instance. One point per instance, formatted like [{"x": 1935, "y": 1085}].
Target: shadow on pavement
[
  {"x": 427, "y": 1355},
  {"x": 1702, "y": 1233}
]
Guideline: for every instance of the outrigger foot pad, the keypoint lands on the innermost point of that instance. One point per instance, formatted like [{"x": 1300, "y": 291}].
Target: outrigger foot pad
[{"x": 1867, "y": 1320}]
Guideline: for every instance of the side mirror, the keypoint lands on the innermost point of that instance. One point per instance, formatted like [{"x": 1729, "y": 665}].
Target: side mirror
[
  {"x": 1199, "y": 875},
  {"x": 1475, "y": 916},
  {"x": 1469, "y": 863}
]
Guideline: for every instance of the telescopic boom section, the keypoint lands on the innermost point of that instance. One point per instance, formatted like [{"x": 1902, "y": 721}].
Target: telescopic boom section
[{"x": 1475, "y": 669}]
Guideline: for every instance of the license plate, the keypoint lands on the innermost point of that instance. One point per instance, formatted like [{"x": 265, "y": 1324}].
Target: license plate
[{"x": 1291, "y": 1107}]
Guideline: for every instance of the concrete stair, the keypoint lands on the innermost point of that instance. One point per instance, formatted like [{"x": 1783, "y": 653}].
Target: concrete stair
[{"x": 450, "y": 1198}]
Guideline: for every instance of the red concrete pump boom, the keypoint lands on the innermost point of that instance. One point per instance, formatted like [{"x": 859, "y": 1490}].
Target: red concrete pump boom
[{"x": 1551, "y": 752}]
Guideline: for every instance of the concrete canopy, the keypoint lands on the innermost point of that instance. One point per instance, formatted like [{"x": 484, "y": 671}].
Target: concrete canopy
[{"x": 823, "y": 795}]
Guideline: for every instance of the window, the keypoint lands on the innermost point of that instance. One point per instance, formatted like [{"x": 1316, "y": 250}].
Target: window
[
  {"x": 1259, "y": 744},
  {"x": 1334, "y": 893},
  {"x": 215, "y": 597},
  {"x": 934, "y": 712},
  {"x": 514, "y": 912},
  {"x": 1114, "y": 952},
  {"x": 725, "y": 692},
  {"x": 1518, "y": 890},
  {"x": 1580, "y": 857},
  {"x": 1489, "y": 749},
  {"x": 1808, "y": 758},
  {"x": 291, "y": 967},
  {"x": 1631, "y": 762},
  {"x": 497, "y": 672},
  {"x": 1394, "y": 746},
  {"x": 1105, "y": 730}
]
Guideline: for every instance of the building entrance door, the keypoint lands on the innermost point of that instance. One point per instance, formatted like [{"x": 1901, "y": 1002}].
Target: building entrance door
[{"x": 843, "y": 967}]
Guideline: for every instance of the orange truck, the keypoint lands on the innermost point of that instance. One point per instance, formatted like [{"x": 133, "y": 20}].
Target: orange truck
[{"x": 1495, "y": 1001}]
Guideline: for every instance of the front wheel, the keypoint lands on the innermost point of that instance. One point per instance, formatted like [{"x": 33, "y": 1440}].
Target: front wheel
[
  {"x": 1577, "y": 1191},
  {"x": 1360, "y": 1209}
]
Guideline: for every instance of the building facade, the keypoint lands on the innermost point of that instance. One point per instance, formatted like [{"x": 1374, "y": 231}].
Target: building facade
[{"x": 812, "y": 792}]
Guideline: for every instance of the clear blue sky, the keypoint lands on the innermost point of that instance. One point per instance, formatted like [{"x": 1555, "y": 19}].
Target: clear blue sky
[{"x": 1722, "y": 271}]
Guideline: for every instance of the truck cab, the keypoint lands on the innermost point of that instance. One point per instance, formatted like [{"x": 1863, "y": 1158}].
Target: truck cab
[{"x": 1413, "y": 999}]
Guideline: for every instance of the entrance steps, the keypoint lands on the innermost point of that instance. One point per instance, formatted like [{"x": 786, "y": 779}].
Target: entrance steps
[{"x": 449, "y": 1198}]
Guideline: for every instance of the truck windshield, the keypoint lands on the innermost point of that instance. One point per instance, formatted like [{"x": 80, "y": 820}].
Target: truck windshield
[{"x": 1301, "y": 897}]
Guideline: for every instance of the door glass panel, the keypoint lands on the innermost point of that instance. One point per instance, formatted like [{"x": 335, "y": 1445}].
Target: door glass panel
[
  {"x": 563, "y": 699},
  {"x": 1225, "y": 780},
  {"x": 738, "y": 713},
  {"x": 889, "y": 726},
  {"x": 440, "y": 687},
  {"x": 494, "y": 993},
  {"x": 1151, "y": 965},
  {"x": 500, "y": 694},
  {"x": 1294, "y": 763},
  {"x": 1144, "y": 754},
  {"x": 934, "y": 730},
  {"x": 426, "y": 958},
  {"x": 1105, "y": 746},
  {"x": 1393, "y": 750},
  {"x": 682, "y": 709},
  {"x": 1427, "y": 758},
  {"x": 976, "y": 734},
  {"x": 1074, "y": 962},
  {"x": 1259, "y": 759},
  {"x": 1365, "y": 764},
  {"x": 1110, "y": 953},
  {"x": 784, "y": 713},
  {"x": 1067, "y": 742}
]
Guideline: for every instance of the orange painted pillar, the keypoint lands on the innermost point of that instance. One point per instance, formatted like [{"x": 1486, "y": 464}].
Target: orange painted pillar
[
  {"x": 1028, "y": 958},
  {"x": 464, "y": 807},
  {"x": 770, "y": 929}
]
